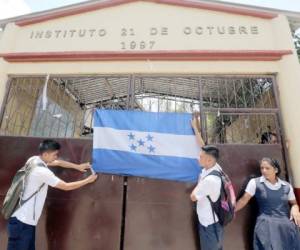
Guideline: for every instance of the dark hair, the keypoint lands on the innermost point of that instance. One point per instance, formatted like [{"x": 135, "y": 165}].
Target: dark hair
[
  {"x": 267, "y": 137},
  {"x": 274, "y": 163},
  {"x": 48, "y": 145},
  {"x": 212, "y": 151}
]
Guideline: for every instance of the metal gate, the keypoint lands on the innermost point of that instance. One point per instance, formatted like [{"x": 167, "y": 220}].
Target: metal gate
[
  {"x": 234, "y": 109},
  {"x": 239, "y": 113}
]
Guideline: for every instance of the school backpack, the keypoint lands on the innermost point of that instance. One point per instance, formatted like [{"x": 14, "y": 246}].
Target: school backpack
[
  {"x": 13, "y": 199},
  {"x": 224, "y": 206}
]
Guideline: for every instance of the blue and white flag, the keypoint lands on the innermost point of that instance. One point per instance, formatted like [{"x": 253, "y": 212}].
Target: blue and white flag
[{"x": 146, "y": 144}]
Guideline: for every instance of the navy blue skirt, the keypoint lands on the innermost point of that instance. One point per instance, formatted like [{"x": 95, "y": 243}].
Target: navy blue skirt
[{"x": 272, "y": 233}]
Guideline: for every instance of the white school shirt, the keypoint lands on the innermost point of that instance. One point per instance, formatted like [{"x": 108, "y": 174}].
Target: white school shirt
[
  {"x": 31, "y": 211},
  {"x": 211, "y": 186},
  {"x": 251, "y": 187}
]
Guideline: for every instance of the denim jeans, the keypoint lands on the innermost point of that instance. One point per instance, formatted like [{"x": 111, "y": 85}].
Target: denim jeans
[
  {"x": 211, "y": 237},
  {"x": 21, "y": 236}
]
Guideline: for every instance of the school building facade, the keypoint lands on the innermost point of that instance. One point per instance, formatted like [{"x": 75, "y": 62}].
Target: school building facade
[{"x": 235, "y": 64}]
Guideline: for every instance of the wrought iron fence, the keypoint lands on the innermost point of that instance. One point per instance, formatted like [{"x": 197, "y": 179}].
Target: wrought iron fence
[{"x": 234, "y": 109}]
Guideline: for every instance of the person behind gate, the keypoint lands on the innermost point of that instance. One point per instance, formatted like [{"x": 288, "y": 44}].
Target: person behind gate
[{"x": 22, "y": 223}]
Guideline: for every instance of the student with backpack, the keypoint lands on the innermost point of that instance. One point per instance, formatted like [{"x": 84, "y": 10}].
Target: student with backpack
[
  {"x": 25, "y": 198},
  {"x": 214, "y": 196}
]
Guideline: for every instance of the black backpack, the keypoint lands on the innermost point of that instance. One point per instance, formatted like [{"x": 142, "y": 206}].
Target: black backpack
[{"x": 224, "y": 206}]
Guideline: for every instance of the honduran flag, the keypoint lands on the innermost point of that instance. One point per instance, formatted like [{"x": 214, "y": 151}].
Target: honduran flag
[{"x": 145, "y": 144}]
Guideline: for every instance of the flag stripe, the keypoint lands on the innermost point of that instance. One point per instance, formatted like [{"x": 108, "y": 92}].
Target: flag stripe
[
  {"x": 161, "y": 167},
  {"x": 144, "y": 121},
  {"x": 163, "y": 144}
]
